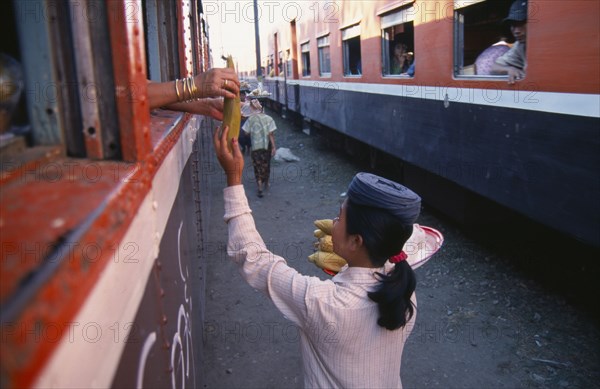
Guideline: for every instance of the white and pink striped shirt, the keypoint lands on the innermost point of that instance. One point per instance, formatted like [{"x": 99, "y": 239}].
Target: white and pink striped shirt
[{"x": 341, "y": 343}]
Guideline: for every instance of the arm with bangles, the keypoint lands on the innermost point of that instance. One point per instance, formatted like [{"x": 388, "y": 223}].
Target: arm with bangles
[{"x": 201, "y": 94}]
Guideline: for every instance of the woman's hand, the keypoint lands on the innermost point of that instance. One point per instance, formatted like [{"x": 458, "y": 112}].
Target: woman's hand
[
  {"x": 217, "y": 82},
  {"x": 208, "y": 107},
  {"x": 231, "y": 160}
]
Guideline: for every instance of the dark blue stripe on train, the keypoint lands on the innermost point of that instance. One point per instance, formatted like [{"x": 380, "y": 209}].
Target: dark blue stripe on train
[{"x": 541, "y": 164}]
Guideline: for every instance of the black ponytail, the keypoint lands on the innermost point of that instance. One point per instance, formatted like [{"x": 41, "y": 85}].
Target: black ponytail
[
  {"x": 384, "y": 236},
  {"x": 393, "y": 296}
]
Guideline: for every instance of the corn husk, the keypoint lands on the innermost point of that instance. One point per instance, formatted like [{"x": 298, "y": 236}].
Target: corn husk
[
  {"x": 325, "y": 225},
  {"x": 329, "y": 261},
  {"x": 326, "y": 244},
  {"x": 232, "y": 111},
  {"x": 318, "y": 233}
]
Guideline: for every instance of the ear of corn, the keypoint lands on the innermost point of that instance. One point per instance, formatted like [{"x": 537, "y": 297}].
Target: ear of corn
[
  {"x": 318, "y": 233},
  {"x": 325, "y": 225},
  {"x": 326, "y": 244},
  {"x": 329, "y": 261},
  {"x": 231, "y": 111}
]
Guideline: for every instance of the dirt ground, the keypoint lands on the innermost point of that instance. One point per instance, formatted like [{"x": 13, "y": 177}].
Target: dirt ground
[{"x": 488, "y": 317}]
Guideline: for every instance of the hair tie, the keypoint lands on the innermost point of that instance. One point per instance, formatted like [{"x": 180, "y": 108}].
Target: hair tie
[{"x": 401, "y": 256}]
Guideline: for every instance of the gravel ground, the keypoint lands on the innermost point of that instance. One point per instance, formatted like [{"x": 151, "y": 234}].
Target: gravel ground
[{"x": 488, "y": 316}]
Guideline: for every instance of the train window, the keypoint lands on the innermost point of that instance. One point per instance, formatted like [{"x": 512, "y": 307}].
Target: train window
[
  {"x": 160, "y": 25},
  {"x": 288, "y": 63},
  {"x": 397, "y": 43},
  {"x": 280, "y": 64},
  {"x": 269, "y": 65},
  {"x": 477, "y": 27},
  {"x": 324, "y": 56},
  {"x": 69, "y": 100},
  {"x": 351, "y": 51},
  {"x": 304, "y": 48}
]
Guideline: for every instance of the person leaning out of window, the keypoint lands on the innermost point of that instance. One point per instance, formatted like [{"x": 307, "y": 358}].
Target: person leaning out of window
[
  {"x": 514, "y": 61},
  {"x": 202, "y": 94}
]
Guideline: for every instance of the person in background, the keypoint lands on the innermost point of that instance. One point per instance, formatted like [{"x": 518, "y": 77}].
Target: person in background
[
  {"x": 514, "y": 61},
  {"x": 485, "y": 61},
  {"x": 400, "y": 60},
  {"x": 261, "y": 126},
  {"x": 353, "y": 327},
  {"x": 246, "y": 111},
  {"x": 202, "y": 94}
]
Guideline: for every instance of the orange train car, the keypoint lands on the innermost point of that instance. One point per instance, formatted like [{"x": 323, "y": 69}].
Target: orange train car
[
  {"x": 461, "y": 136},
  {"x": 102, "y": 234}
]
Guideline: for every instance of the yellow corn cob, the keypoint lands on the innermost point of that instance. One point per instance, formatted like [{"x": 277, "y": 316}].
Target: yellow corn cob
[
  {"x": 329, "y": 261},
  {"x": 318, "y": 233},
  {"x": 326, "y": 244},
  {"x": 325, "y": 225},
  {"x": 231, "y": 111}
]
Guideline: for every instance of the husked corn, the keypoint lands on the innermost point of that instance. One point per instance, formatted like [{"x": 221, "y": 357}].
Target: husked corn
[
  {"x": 318, "y": 233},
  {"x": 325, "y": 225},
  {"x": 326, "y": 244},
  {"x": 232, "y": 114},
  {"x": 329, "y": 261}
]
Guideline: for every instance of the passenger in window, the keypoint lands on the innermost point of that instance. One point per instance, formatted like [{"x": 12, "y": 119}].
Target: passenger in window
[
  {"x": 11, "y": 88},
  {"x": 411, "y": 70},
  {"x": 401, "y": 60},
  {"x": 201, "y": 94},
  {"x": 486, "y": 60},
  {"x": 514, "y": 61}
]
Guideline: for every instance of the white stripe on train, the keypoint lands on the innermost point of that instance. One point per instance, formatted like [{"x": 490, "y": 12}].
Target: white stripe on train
[{"x": 578, "y": 104}]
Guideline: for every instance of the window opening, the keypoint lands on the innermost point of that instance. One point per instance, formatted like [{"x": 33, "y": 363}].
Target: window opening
[
  {"x": 289, "y": 62},
  {"x": 398, "y": 43},
  {"x": 280, "y": 64},
  {"x": 305, "y": 49},
  {"x": 477, "y": 28},
  {"x": 324, "y": 56},
  {"x": 351, "y": 51}
]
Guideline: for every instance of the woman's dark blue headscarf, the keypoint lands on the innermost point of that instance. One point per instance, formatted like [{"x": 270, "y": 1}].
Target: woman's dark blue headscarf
[{"x": 374, "y": 191}]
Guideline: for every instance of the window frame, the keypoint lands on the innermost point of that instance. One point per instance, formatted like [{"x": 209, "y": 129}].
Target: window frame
[
  {"x": 322, "y": 44},
  {"x": 305, "y": 56},
  {"x": 351, "y": 35},
  {"x": 398, "y": 17},
  {"x": 460, "y": 70}
]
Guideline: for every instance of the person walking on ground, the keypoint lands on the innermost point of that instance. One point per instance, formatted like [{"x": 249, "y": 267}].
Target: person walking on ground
[
  {"x": 353, "y": 327},
  {"x": 261, "y": 126}
]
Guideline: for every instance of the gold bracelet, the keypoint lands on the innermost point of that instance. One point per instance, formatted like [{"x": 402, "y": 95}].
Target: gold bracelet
[
  {"x": 194, "y": 88},
  {"x": 189, "y": 86},
  {"x": 177, "y": 91}
]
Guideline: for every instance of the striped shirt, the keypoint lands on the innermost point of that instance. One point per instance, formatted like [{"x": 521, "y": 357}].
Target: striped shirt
[
  {"x": 259, "y": 127},
  {"x": 341, "y": 343}
]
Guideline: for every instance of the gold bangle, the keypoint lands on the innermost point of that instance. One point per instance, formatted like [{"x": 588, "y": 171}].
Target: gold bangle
[
  {"x": 194, "y": 88},
  {"x": 187, "y": 81},
  {"x": 189, "y": 90},
  {"x": 177, "y": 91}
]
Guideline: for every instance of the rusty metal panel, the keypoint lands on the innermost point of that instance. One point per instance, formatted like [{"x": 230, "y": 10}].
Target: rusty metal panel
[
  {"x": 36, "y": 53},
  {"x": 125, "y": 22},
  {"x": 96, "y": 81}
]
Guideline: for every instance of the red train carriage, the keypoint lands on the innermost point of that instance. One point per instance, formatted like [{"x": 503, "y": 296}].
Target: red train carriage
[
  {"x": 101, "y": 210},
  {"x": 531, "y": 147}
]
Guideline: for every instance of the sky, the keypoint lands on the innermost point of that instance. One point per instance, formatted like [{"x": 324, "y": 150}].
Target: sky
[{"x": 231, "y": 31}]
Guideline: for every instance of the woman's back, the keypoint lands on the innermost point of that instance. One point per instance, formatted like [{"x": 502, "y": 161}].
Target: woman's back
[
  {"x": 259, "y": 126},
  {"x": 341, "y": 343}
]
